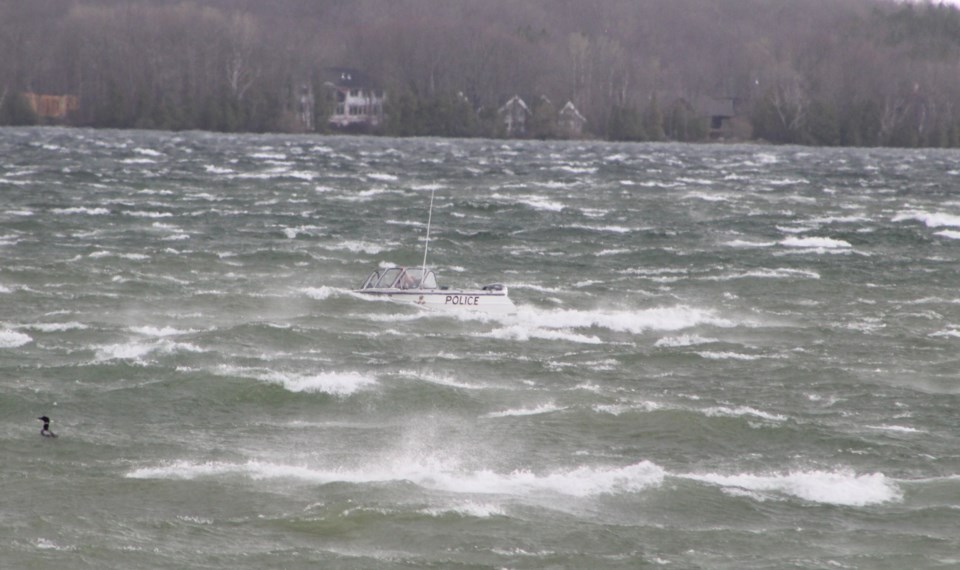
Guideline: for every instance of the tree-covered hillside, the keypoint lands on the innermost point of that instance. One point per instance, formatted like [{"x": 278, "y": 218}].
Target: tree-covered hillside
[{"x": 826, "y": 72}]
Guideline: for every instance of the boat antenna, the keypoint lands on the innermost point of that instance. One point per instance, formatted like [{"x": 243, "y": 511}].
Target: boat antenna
[{"x": 426, "y": 245}]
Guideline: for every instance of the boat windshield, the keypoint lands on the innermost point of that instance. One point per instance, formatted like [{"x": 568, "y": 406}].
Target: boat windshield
[
  {"x": 371, "y": 281},
  {"x": 388, "y": 278},
  {"x": 400, "y": 278},
  {"x": 411, "y": 279}
]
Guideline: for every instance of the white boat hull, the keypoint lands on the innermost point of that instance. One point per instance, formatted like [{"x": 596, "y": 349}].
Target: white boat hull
[
  {"x": 496, "y": 302},
  {"x": 418, "y": 286}
]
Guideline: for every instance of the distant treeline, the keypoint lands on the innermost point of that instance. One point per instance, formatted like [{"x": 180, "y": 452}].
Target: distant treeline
[{"x": 852, "y": 72}]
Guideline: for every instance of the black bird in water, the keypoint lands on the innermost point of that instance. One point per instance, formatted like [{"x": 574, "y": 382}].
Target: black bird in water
[{"x": 45, "y": 430}]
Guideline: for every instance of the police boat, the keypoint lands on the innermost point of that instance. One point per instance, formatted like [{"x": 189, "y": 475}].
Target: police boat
[{"x": 418, "y": 286}]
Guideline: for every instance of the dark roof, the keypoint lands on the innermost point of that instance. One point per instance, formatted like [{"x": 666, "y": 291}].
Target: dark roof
[
  {"x": 716, "y": 106},
  {"x": 349, "y": 77}
]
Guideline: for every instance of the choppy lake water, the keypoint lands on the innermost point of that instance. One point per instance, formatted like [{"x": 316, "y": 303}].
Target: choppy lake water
[{"x": 724, "y": 357}]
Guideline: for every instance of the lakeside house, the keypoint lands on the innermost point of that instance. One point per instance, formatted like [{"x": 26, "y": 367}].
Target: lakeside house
[
  {"x": 358, "y": 99},
  {"x": 514, "y": 114},
  {"x": 719, "y": 112},
  {"x": 51, "y": 106},
  {"x": 570, "y": 121}
]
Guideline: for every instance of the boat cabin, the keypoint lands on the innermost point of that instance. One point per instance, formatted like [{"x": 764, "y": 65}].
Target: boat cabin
[{"x": 401, "y": 278}]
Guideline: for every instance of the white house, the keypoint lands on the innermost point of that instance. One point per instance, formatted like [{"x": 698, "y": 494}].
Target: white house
[
  {"x": 359, "y": 101},
  {"x": 570, "y": 120},
  {"x": 514, "y": 114}
]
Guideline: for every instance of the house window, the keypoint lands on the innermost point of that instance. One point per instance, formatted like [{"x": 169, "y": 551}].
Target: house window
[
  {"x": 340, "y": 109},
  {"x": 354, "y": 92}
]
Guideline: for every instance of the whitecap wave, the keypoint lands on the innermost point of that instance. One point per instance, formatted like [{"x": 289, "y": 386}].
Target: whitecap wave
[
  {"x": 444, "y": 380},
  {"x": 357, "y": 247},
  {"x": 324, "y": 292},
  {"x": 708, "y": 197},
  {"x": 158, "y": 331},
  {"x": 841, "y": 487},
  {"x": 292, "y": 233},
  {"x": 683, "y": 340},
  {"x": 535, "y": 411},
  {"x": 815, "y": 242},
  {"x": 335, "y": 383},
  {"x": 541, "y": 203},
  {"x": 578, "y": 482},
  {"x": 538, "y": 288},
  {"x": 430, "y": 186},
  {"x": 615, "y": 251},
  {"x": 525, "y": 333},
  {"x": 949, "y": 234},
  {"x": 561, "y": 324},
  {"x": 931, "y": 220},
  {"x": 745, "y": 244},
  {"x": 268, "y": 155},
  {"x": 742, "y": 411},
  {"x": 55, "y": 327},
  {"x": 131, "y": 256},
  {"x": 727, "y": 355},
  {"x": 13, "y": 339},
  {"x": 138, "y": 350},
  {"x": 630, "y": 321},
  {"x": 897, "y": 429},
  {"x": 623, "y": 408},
  {"x": 124, "y": 351},
  {"x": 782, "y": 273},
  {"x": 950, "y": 333},
  {"x": 610, "y": 229},
  {"x": 82, "y": 210},
  {"x": 148, "y": 214},
  {"x": 467, "y": 509},
  {"x": 44, "y": 544},
  {"x": 787, "y": 181}
]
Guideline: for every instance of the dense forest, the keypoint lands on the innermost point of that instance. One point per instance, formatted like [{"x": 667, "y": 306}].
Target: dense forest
[{"x": 821, "y": 72}]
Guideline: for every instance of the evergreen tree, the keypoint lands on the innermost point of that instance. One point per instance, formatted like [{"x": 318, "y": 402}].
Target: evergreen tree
[
  {"x": 16, "y": 111},
  {"x": 490, "y": 125},
  {"x": 682, "y": 123},
  {"x": 402, "y": 110},
  {"x": 860, "y": 124},
  {"x": 543, "y": 122},
  {"x": 625, "y": 124},
  {"x": 110, "y": 111},
  {"x": 653, "y": 121},
  {"x": 325, "y": 103},
  {"x": 771, "y": 123},
  {"x": 822, "y": 126}
]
